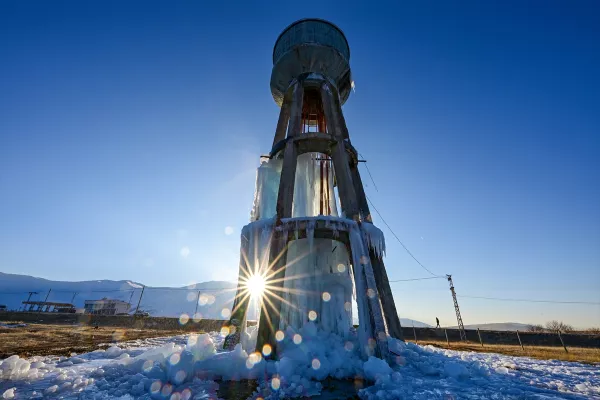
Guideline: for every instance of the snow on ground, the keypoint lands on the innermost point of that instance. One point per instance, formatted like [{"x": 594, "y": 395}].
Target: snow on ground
[
  {"x": 4, "y": 325},
  {"x": 186, "y": 367}
]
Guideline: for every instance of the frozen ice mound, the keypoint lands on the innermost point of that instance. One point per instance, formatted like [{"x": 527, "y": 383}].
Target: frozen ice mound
[
  {"x": 376, "y": 369},
  {"x": 9, "y": 393},
  {"x": 14, "y": 368},
  {"x": 186, "y": 367}
]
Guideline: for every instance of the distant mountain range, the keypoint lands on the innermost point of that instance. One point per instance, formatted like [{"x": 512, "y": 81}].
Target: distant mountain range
[
  {"x": 158, "y": 301},
  {"x": 499, "y": 326},
  {"x": 409, "y": 323}
]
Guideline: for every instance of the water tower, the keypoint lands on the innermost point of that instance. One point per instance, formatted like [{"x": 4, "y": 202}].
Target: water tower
[{"x": 311, "y": 242}]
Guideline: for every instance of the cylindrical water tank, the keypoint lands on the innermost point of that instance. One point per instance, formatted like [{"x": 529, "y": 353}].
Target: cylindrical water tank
[{"x": 311, "y": 46}]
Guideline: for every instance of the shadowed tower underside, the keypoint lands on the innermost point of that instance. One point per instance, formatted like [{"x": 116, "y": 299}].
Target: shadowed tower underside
[{"x": 311, "y": 242}]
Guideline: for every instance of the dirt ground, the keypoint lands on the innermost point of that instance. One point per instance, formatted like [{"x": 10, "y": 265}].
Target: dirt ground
[
  {"x": 62, "y": 340},
  {"x": 580, "y": 354}
]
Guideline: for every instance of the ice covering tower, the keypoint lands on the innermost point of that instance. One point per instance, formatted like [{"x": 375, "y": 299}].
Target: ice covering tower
[{"x": 311, "y": 237}]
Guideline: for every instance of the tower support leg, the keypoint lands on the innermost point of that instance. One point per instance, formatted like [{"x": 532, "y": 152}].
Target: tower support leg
[
  {"x": 390, "y": 313},
  {"x": 271, "y": 304},
  {"x": 341, "y": 164},
  {"x": 285, "y": 196},
  {"x": 361, "y": 197},
  {"x": 237, "y": 321},
  {"x": 284, "y": 118},
  {"x": 346, "y": 192},
  {"x": 369, "y": 306}
]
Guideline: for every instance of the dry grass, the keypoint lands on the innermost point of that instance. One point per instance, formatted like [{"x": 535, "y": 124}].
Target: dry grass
[
  {"x": 43, "y": 339},
  {"x": 62, "y": 340},
  {"x": 578, "y": 354}
]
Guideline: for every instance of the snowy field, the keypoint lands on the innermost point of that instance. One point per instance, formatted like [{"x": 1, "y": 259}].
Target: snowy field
[{"x": 187, "y": 366}]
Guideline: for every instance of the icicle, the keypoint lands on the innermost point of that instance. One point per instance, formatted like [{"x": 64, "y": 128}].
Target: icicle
[
  {"x": 374, "y": 238},
  {"x": 285, "y": 231},
  {"x": 335, "y": 230},
  {"x": 266, "y": 189},
  {"x": 371, "y": 325},
  {"x": 313, "y": 264},
  {"x": 307, "y": 188},
  {"x": 318, "y": 292},
  {"x": 310, "y": 234},
  {"x": 364, "y": 327},
  {"x": 258, "y": 234}
]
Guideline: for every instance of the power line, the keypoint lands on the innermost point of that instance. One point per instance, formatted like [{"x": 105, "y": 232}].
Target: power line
[
  {"x": 400, "y": 241},
  {"x": 417, "y": 279},
  {"x": 369, "y": 172},
  {"x": 96, "y": 291},
  {"x": 532, "y": 301},
  {"x": 434, "y": 276}
]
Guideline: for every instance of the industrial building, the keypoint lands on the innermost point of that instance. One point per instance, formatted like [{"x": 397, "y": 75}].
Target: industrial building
[
  {"x": 106, "y": 306},
  {"x": 48, "y": 306}
]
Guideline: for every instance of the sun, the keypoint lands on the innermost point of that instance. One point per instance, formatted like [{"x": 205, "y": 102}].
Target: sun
[{"x": 256, "y": 285}]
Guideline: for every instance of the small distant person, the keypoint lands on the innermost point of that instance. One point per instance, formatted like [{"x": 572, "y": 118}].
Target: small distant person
[{"x": 437, "y": 321}]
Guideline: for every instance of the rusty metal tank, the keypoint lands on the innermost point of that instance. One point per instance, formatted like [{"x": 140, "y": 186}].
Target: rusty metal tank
[{"x": 311, "y": 46}]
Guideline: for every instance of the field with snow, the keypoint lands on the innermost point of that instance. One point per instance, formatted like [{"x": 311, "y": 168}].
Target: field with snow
[
  {"x": 190, "y": 367},
  {"x": 59, "y": 340}
]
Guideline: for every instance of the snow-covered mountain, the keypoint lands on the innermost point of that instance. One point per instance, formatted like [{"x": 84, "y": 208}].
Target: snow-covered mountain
[
  {"x": 159, "y": 301},
  {"x": 409, "y": 323}
]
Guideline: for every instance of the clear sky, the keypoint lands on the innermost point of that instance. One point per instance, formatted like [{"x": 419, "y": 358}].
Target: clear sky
[{"x": 130, "y": 132}]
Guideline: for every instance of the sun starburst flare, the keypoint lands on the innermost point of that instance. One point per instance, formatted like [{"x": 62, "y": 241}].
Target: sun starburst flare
[{"x": 256, "y": 285}]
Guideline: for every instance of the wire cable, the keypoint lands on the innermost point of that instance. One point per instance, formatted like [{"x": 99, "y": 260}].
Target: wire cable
[
  {"x": 400, "y": 241},
  {"x": 369, "y": 172},
  {"x": 530, "y": 300},
  {"x": 417, "y": 279}
]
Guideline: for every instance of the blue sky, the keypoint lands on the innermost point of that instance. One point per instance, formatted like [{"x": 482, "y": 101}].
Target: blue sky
[{"x": 132, "y": 130}]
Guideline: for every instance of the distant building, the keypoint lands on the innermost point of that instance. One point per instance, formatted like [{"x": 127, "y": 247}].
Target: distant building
[
  {"x": 106, "y": 307},
  {"x": 48, "y": 306},
  {"x": 67, "y": 308},
  {"x": 2, "y": 307}
]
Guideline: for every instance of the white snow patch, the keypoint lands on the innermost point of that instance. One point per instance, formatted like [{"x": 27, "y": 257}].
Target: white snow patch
[
  {"x": 187, "y": 366},
  {"x": 5, "y": 325},
  {"x": 9, "y": 393},
  {"x": 377, "y": 369}
]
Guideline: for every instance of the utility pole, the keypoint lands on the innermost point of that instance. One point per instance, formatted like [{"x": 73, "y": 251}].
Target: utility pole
[
  {"x": 461, "y": 326},
  {"x": 131, "y": 297},
  {"x": 197, "y": 301},
  {"x": 45, "y": 300},
  {"x": 140, "y": 300},
  {"x": 29, "y": 298}
]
